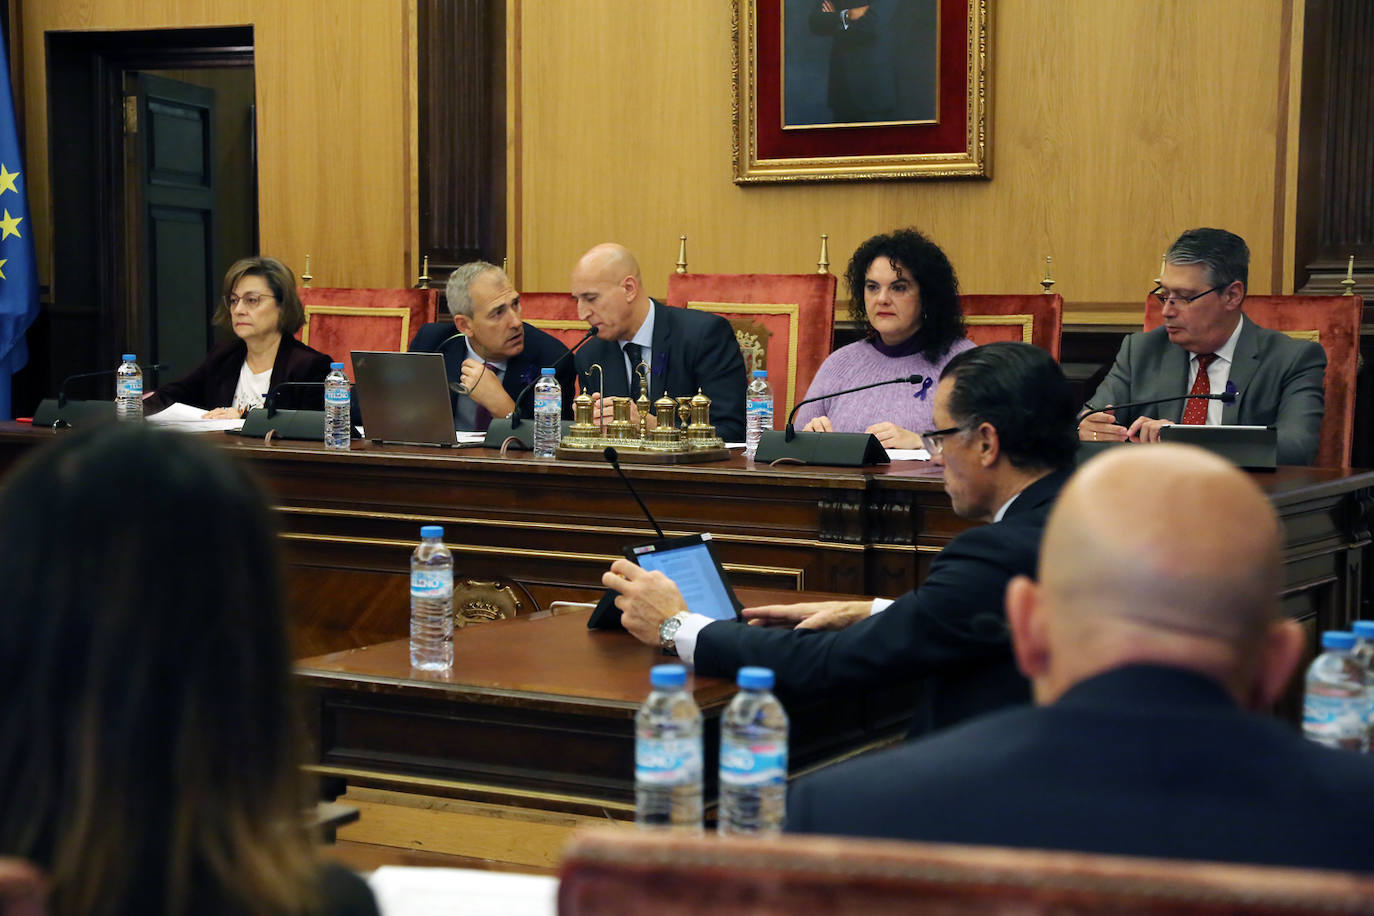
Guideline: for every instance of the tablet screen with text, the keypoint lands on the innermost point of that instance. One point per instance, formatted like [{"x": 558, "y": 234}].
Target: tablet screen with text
[{"x": 691, "y": 565}]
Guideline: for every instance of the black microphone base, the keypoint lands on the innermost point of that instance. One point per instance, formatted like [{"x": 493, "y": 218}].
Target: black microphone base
[
  {"x": 289, "y": 424},
  {"x": 847, "y": 450},
  {"x": 73, "y": 413},
  {"x": 500, "y": 430}
]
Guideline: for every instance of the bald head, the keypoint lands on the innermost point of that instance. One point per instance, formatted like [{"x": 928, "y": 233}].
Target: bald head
[
  {"x": 1156, "y": 555},
  {"x": 609, "y": 292}
]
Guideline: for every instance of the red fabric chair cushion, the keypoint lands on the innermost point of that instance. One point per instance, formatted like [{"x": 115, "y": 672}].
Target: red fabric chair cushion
[
  {"x": 339, "y": 321},
  {"x": 1041, "y": 315},
  {"x": 555, "y": 313}
]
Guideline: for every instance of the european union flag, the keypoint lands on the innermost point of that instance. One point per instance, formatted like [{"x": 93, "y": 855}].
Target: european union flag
[{"x": 18, "y": 268}]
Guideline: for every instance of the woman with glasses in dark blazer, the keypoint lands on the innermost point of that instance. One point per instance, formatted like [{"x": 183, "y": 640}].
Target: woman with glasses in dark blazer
[{"x": 261, "y": 307}]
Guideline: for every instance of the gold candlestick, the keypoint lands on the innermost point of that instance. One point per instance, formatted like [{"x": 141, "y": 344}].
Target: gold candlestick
[
  {"x": 1349, "y": 281},
  {"x": 682, "y": 254},
  {"x": 423, "y": 281},
  {"x": 1048, "y": 283},
  {"x": 823, "y": 265},
  {"x": 305, "y": 277}
]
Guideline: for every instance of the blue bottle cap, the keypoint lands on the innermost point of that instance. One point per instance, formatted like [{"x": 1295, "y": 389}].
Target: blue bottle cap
[
  {"x": 129, "y": 357},
  {"x": 668, "y": 676},
  {"x": 336, "y": 365},
  {"x": 1364, "y": 629},
  {"x": 752, "y": 678},
  {"x": 760, "y": 373},
  {"x": 546, "y": 371},
  {"x": 1338, "y": 639},
  {"x": 431, "y": 531}
]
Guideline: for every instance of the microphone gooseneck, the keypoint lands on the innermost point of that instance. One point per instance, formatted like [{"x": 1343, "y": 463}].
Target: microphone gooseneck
[
  {"x": 1226, "y": 397},
  {"x": 515, "y": 412},
  {"x": 611, "y": 455},
  {"x": 791, "y": 433},
  {"x": 62, "y": 386}
]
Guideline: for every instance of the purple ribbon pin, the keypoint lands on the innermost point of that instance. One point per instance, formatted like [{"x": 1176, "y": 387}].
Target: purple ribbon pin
[{"x": 925, "y": 386}]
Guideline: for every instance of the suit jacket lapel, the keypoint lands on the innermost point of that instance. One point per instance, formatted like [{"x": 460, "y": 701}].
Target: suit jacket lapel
[
  {"x": 1243, "y": 364},
  {"x": 658, "y": 360}
]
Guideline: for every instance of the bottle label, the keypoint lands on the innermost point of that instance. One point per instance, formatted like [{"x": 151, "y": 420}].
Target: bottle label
[
  {"x": 336, "y": 395},
  {"x": 431, "y": 583},
  {"x": 667, "y": 761},
  {"x": 1334, "y": 718},
  {"x": 762, "y": 763},
  {"x": 548, "y": 401},
  {"x": 129, "y": 388}
]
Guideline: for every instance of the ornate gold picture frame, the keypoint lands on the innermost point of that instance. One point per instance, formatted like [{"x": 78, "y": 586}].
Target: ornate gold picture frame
[{"x": 843, "y": 91}]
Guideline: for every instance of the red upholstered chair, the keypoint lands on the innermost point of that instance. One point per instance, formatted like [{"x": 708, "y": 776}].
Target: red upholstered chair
[
  {"x": 339, "y": 321},
  {"x": 608, "y": 872},
  {"x": 784, "y": 321},
  {"x": 1333, "y": 322},
  {"x": 555, "y": 313},
  {"x": 1035, "y": 318}
]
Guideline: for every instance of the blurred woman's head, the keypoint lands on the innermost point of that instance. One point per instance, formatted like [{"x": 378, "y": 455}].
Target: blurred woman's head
[
  {"x": 901, "y": 283},
  {"x": 149, "y": 744},
  {"x": 259, "y": 298}
]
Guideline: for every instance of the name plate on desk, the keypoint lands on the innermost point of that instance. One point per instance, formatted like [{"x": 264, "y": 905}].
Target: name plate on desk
[
  {"x": 846, "y": 450},
  {"x": 289, "y": 424}
]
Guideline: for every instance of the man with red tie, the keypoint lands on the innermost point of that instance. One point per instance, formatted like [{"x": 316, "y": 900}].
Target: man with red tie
[
  {"x": 1206, "y": 345},
  {"x": 494, "y": 354}
]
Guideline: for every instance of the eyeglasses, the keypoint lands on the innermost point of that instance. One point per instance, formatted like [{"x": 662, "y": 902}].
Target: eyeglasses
[
  {"x": 252, "y": 300},
  {"x": 1158, "y": 295},
  {"x": 934, "y": 441}
]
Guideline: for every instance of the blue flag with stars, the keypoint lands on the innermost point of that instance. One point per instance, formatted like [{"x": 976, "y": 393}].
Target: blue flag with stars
[{"x": 18, "y": 268}]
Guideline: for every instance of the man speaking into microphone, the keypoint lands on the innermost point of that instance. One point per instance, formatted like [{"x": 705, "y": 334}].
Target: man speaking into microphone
[
  {"x": 494, "y": 354},
  {"x": 1205, "y": 346}
]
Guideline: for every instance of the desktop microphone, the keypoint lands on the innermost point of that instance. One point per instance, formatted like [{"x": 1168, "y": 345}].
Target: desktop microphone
[
  {"x": 62, "y": 387},
  {"x": 515, "y": 413},
  {"x": 790, "y": 433},
  {"x": 270, "y": 402},
  {"x": 613, "y": 457},
  {"x": 1226, "y": 397}
]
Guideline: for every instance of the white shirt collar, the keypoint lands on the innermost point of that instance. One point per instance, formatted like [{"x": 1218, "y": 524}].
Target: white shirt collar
[
  {"x": 500, "y": 366},
  {"x": 1005, "y": 506},
  {"x": 645, "y": 335}
]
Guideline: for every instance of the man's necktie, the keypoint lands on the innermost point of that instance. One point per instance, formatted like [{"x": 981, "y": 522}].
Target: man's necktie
[
  {"x": 483, "y": 419},
  {"x": 1195, "y": 414},
  {"x": 635, "y": 352}
]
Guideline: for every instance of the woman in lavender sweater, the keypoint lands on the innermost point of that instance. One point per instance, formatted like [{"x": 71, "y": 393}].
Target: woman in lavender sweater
[{"x": 904, "y": 293}]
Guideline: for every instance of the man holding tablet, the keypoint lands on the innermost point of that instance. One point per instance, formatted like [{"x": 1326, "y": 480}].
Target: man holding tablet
[{"x": 1006, "y": 439}]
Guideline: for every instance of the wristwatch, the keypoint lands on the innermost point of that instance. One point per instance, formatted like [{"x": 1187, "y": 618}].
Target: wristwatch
[{"x": 667, "y": 632}]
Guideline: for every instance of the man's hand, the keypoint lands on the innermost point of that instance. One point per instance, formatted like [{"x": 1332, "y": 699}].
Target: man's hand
[
  {"x": 1145, "y": 429},
  {"x": 646, "y": 599},
  {"x": 818, "y": 425},
  {"x": 1101, "y": 427},
  {"x": 606, "y": 411},
  {"x": 810, "y": 615},
  {"x": 857, "y": 12},
  {"x": 893, "y": 436},
  {"x": 485, "y": 388}
]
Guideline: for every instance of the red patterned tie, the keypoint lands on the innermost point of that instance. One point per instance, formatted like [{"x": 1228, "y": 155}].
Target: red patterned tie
[{"x": 1195, "y": 414}]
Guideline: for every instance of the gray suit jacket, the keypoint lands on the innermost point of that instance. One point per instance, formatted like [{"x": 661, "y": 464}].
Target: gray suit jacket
[{"x": 1279, "y": 381}]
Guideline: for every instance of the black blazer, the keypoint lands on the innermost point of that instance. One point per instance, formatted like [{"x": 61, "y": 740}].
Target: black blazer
[
  {"x": 1141, "y": 761},
  {"x": 541, "y": 349},
  {"x": 951, "y": 631},
  {"x": 691, "y": 350},
  {"x": 212, "y": 383}
]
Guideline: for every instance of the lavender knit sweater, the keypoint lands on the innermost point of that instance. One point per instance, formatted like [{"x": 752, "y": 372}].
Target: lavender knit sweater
[{"x": 859, "y": 363}]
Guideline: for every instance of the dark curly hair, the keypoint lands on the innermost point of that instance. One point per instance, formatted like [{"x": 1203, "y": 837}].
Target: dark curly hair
[{"x": 942, "y": 317}]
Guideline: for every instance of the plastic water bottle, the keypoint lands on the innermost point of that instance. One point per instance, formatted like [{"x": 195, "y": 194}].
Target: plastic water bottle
[
  {"x": 758, "y": 407},
  {"x": 1364, "y": 654},
  {"x": 1336, "y": 704},
  {"x": 338, "y": 423},
  {"x": 431, "y": 602},
  {"x": 753, "y": 758},
  {"x": 548, "y": 414},
  {"x": 668, "y": 754},
  {"x": 129, "y": 389}
]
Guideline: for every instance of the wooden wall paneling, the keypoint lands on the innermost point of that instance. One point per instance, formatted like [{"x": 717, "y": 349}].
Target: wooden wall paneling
[
  {"x": 331, "y": 125},
  {"x": 1117, "y": 126}
]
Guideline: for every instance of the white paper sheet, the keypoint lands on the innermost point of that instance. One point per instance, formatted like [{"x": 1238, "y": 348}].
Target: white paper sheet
[
  {"x": 185, "y": 417},
  {"x": 908, "y": 454},
  {"x": 404, "y": 890}
]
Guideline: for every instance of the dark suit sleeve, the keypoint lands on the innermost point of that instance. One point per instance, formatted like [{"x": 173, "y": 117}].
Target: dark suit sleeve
[
  {"x": 954, "y": 617},
  {"x": 719, "y": 369},
  {"x": 1116, "y": 387},
  {"x": 1301, "y": 405}
]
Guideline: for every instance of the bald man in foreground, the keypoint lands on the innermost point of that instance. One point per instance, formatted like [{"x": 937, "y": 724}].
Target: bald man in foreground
[
  {"x": 684, "y": 349},
  {"x": 1149, "y": 640}
]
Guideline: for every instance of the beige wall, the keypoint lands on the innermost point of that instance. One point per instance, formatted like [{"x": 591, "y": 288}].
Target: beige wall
[
  {"x": 1115, "y": 125},
  {"x": 333, "y": 93}
]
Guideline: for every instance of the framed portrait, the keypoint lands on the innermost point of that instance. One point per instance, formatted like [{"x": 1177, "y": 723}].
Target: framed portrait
[{"x": 843, "y": 90}]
